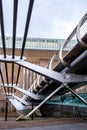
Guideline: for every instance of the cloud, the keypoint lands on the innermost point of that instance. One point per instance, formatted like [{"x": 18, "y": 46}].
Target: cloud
[
  {"x": 56, "y": 19},
  {"x": 50, "y": 18}
]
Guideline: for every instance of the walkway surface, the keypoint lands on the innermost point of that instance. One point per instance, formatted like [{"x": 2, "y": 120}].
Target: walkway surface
[
  {"x": 45, "y": 124},
  {"x": 82, "y": 126}
]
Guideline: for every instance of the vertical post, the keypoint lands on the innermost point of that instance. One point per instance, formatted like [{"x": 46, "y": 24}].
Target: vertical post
[
  {"x": 32, "y": 116},
  {"x": 73, "y": 98},
  {"x": 6, "y": 110},
  {"x": 25, "y": 34}
]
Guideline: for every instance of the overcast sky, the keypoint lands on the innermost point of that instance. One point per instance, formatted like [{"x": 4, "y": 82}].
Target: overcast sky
[{"x": 50, "y": 18}]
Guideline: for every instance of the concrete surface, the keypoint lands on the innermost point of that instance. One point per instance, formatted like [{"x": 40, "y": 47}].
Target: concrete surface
[{"x": 78, "y": 126}]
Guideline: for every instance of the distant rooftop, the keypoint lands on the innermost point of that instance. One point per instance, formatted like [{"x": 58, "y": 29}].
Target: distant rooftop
[{"x": 37, "y": 43}]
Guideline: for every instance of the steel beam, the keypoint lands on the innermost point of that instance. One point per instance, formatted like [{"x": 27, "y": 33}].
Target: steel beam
[
  {"x": 18, "y": 105},
  {"x": 75, "y": 63},
  {"x": 45, "y": 100},
  {"x": 14, "y": 35},
  {"x": 22, "y": 100},
  {"x": 27, "y": 25},
  {"x": 6, "y": 110},
  {"x": 29, "y": 94},
  {"x": 3, "y": 38},
  {"x": 56, "y": 76},
  {"x": 9, "y": 59},
  {"x": 2, "y": 28},
  {"x": 31, "y": 2},
  {"x": 14, "y": 26},
  {"x": 72, "y": 91}
]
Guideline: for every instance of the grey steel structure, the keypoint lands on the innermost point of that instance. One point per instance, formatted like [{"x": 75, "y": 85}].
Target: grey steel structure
[{"x": 69, "y": 74}]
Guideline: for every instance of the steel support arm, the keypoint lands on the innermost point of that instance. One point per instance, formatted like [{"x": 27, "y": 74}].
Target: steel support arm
[
  {"x": 45, "y": 100},
  {"x": 72, "y": 91},
  {"x": 56, "y": 76}
]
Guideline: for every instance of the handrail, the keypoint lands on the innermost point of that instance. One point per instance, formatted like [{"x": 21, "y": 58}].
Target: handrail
[
  {"x": 52, "y": 59},
  {"x": 33, "y": 86},
  {"x": 83, "y": 43},
  {"x": 64, "y": 44},
  {"x": 77, "y": 32}
]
